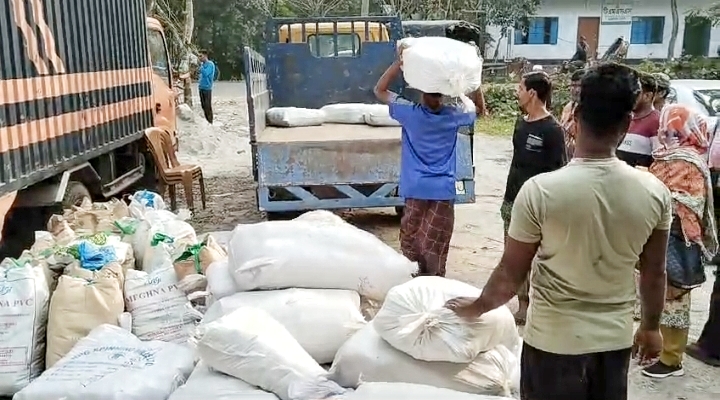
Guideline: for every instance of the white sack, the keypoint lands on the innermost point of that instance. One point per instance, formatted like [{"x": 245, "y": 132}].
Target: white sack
[
  {"x": 441, "y": 65},
  {"x": 410, "y": 391},
  {"x": 283, "y": 254},
  {"x": 250, "y": 345},
  {"x": 366, "y": 357},
  {"x": 160, "y": 239},
  {"x": 321, "y": 320},
  {"x": 80, "y": 305},
  {"x": 160, "y": 310},
  {"x": 144, "y": 201},
  {"x": 293, "y": 116},
  {"x": 205, "y": 383},
  {"x": 323, "y": 217},
  {"x": 350, "y": 113},
  {"x": 380, "y": 117},
  {"x": 112, "y": 364},
  {"x": 220, "y": 280},
  {"x": 24, "y": 298},
  {"x": 414, "y": 319}
]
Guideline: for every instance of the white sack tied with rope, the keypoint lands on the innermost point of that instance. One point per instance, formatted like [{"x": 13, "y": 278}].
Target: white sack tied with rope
[
  {"x": 366, "y": 357},
  {"x": 441, "y": 65},
  {"x": 414, "y": 320},
  {"x": 305, "y": 254}
]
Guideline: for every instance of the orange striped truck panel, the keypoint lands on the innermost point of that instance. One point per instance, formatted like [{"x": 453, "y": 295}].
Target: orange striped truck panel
[{"x": 75, "y": 82}]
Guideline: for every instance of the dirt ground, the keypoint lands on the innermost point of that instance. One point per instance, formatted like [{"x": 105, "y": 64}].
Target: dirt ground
[{"x": 477, "y": 241}]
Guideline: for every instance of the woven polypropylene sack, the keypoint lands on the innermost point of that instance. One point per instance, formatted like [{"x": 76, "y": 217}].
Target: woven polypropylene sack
[
  {"x": 441, "y": 65},
  {"x": 414, "y": 320}
]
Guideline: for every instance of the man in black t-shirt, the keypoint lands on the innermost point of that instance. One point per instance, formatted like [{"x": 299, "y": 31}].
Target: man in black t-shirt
[{"x": 538, "y": 146}]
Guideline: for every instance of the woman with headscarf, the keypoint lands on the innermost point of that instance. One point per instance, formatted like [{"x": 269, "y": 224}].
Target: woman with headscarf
[{"x": 681, "y": 163}]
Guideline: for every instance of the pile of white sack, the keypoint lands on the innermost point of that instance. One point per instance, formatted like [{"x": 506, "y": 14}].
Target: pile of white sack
[
  {"x": 135, "y": 307},
  {"x": 100, "y": 290},
  {"x": 341, "y": 113}
]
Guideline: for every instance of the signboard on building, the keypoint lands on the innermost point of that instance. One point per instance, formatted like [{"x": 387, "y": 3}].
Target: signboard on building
[{"x": 616, "y": 14}]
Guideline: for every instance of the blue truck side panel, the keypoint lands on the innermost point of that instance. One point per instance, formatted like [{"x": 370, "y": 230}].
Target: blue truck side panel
[{"x": 342, "y": 172}]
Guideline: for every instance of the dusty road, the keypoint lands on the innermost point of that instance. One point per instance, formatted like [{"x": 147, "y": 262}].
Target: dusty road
[{"x": 477, "y": 241}]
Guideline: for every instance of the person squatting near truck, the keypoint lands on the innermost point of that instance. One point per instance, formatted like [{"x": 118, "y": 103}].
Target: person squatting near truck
[{"x": 427, "y": 169}]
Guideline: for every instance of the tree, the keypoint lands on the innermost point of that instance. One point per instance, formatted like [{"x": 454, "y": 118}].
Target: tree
[
  {"x": 675, "y": 27},
  {"x": 712, "y": 13},
  {"x": 507, "y": 14}
]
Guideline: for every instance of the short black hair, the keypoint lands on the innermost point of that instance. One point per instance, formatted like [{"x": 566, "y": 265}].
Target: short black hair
[
  {"x": 608, "y": 93},
  {"x": 577, "y": 75},
  {"x": 540, "y": 82},
  {"x": 648, "y": 83},
  {"x": 203, "y": 52}
]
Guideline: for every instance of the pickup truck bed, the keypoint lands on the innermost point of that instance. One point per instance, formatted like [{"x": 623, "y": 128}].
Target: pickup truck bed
[{"x": 329, "y": 133}]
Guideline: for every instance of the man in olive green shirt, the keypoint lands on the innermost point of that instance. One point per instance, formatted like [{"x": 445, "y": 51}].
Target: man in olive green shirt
[{"x": 581, "y": 230}]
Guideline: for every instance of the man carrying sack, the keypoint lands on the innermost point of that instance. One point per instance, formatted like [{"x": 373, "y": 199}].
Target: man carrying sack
[{"x": 427, "y": 168}]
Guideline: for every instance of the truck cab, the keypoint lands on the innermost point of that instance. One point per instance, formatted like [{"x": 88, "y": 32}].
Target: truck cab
[{"x": 162, "y": 85}]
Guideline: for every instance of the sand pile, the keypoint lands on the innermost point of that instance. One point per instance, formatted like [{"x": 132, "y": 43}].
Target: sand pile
[{"x": 220, "y": 149}]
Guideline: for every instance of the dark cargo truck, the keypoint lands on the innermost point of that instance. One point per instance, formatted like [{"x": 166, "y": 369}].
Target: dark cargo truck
[{"x": 80, "y": 83}]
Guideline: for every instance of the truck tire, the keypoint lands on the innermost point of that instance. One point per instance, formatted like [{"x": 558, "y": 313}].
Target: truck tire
[
  {"x": 75, "y": 193},
  {"x": 149, "y": 181}
]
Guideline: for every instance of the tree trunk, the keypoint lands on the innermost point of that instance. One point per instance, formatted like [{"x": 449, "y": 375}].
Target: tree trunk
[
  {"x": 503, "y": 33},
  {"x": 189, "y": 22},
  {"x": 675, "y": 27}
]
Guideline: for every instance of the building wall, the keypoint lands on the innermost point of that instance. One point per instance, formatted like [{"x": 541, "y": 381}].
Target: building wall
[{"x": 568, "y": 11}]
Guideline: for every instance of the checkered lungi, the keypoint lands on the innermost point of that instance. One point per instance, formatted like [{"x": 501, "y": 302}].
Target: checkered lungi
[{"x": 425, "y": 231}]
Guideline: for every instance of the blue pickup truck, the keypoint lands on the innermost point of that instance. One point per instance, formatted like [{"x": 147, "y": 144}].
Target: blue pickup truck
[{"x": 310, "y": 63}]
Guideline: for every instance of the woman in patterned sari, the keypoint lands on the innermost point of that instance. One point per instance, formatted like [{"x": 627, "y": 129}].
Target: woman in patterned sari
[{"x": 681, "y": 163}]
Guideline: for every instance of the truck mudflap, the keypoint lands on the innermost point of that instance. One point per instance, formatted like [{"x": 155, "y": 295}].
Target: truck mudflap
[{"x": 333, "y": 166}]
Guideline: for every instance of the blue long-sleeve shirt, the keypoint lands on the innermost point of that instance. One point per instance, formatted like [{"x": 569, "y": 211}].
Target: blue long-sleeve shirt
[{"x": 207, "y": 75}]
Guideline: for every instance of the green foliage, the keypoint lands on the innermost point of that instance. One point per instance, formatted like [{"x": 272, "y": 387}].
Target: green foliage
[
  {"x": 508, "y": 13},
  {"x": 501, "y": 99},
  {"x": 685, "y": 68},
  {"x": 502, "y": 103}
]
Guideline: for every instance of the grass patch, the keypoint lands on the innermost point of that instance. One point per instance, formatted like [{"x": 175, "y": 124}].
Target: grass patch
[{"x": 495, "y": 126}]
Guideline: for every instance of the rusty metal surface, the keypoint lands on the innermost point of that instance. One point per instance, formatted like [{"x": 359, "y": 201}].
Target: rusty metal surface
[
  {"x": 341, "y": 162},
  {"x": 75, "y": 82},
  {"x": 330, "y": 133}
]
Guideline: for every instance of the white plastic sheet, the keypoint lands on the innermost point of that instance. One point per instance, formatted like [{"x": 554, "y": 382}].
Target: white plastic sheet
[
  {"x": 24, "y": 299},
  {"x": 284, "y": 254},
  {"x": 366, "y": 357},
  {"x": 294, "y": 116},
  {"x": 250, "y": 345},
  {"x": 112, "y": 364},
  {"x": 350, "y": 113},
  {"x": 160, "y": 310},
  {"x": 204, "y": 383},
  {"x": 414, "y": 319},
  {"x": 321, "y": 320},
  {"x": 441, "y": 65},
  {"x": 410, "y": 391}
]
